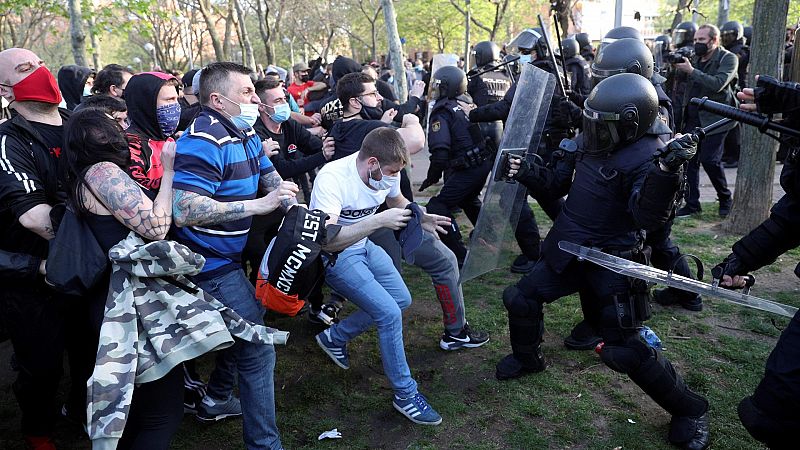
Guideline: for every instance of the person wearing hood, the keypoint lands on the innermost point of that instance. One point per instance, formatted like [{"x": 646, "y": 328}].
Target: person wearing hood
[
  {"x": 332, "y": 110},
  {"x": 154, "y": 113},
  {"x": 75, "y": 82},
  {"x": 190, "y": 103}
]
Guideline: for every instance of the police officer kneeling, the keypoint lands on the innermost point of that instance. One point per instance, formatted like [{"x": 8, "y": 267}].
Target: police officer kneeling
[{"x": 618, "y": 191}]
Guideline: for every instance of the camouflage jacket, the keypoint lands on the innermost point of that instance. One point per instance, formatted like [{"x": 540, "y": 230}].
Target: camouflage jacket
[{"x": 155, "y": 318}]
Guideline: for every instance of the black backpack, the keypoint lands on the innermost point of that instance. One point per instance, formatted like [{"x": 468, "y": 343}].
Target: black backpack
[{"x": 292, "y": 266}]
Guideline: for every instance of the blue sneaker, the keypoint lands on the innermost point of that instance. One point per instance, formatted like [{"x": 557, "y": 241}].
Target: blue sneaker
[
  {"x": 337, "y": 354},
  {"x": 417, "y": 409}
]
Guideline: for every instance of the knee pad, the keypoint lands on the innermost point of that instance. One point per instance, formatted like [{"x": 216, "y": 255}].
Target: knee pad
[
  {"x": 626, "y": 356},
  {"x": 518, "y": 305}
]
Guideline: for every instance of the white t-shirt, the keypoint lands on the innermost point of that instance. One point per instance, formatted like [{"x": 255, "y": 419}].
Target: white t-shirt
[{"x": 339, "y": 190}]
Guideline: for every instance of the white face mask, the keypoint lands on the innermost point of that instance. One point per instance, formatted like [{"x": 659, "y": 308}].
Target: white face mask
[{"x": 386, "y": 182}]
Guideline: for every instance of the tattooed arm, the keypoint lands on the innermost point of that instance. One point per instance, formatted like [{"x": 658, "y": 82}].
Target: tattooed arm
[
  {"x": 37, "y": 220},
  {"x": 272, "y": 181},
  {"x": 192, "y": 208},
  {"x": 126, "y": 201}
]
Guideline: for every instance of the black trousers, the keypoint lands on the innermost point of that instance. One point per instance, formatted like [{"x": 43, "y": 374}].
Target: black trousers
[
  {"x": 42, "y": 325},
  {"x": 709, "y": 154},
  {"x": 772, "y": 414},
  {"x": 156, "y": 413}
]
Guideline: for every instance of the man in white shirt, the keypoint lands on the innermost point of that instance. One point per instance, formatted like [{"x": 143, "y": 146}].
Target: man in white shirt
[{"x": 350, "y": 190}]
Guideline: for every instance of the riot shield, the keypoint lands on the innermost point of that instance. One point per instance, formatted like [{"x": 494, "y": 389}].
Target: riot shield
[
  {"x": 439, "y": 60},
  {"x": 658, "y": 57},
  {"x": 492, "y": 241},
  {"x": 653, "y": 275}
]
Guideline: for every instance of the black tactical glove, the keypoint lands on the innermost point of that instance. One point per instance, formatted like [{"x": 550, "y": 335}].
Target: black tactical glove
[
  {"x": 435, "y": 172},
  {"x": 732, "y": 267},
  {"x": 678, "y": 151},
  {"x": 773, "y": 96},
  {"x": 565, "y": 114}
]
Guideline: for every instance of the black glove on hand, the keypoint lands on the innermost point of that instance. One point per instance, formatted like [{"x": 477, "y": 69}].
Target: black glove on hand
[
  {"x": 435, "y": 172},
  {"x": 565, "y": 113},
  {"x": 678, "y": 151},
  {"x": 773, "y": 96}
]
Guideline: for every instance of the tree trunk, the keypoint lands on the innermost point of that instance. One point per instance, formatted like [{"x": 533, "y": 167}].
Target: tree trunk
[
  {"x": 205, "y": 10},
  {"x": 263, "y": 28},
  {"x": 227, "y": 45},
  {"x": 95, "y": 43},
  {"x": 753, "y": 195},
  {"x": 395, "y": 50},
  {"x": 722, "y": 13},
  {"x": 77, "y": 36},
  {"x": 679, "y": 13},
  {"x": 250, "y": 58}
]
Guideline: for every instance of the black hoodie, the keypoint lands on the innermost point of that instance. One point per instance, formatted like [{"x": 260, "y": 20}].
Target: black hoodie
[
  {"x": 141, "y": 96},
  {"x": 71, "y": 80}
]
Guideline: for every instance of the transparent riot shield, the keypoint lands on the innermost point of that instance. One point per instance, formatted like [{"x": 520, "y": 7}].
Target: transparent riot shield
[
  {"x": 492, "y": 242},
  {"x": 439, "y": 60}
]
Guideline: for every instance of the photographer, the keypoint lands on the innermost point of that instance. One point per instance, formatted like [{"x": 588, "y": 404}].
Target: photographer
[
  {"x": 711, "y": 73},
  {"x": 772, "y": 413}
]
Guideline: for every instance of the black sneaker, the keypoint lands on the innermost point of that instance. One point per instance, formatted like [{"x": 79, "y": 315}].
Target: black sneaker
[
  {"x": 467, "y": 338},
  {"x": 582, "y": 337},
  {"x": 522, "y": 264},
  {"x": 687, "y": 212},
  {"x": 328, "y": 315}
]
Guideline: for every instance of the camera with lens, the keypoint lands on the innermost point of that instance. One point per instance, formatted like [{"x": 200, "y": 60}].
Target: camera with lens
[{"x": 678, "y": 55}]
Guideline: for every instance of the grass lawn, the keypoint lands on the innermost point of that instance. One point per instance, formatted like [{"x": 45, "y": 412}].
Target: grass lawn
[{"x": 576, "y": 403}]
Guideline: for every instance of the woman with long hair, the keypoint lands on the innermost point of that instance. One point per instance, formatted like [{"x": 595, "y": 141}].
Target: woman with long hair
[{"x": 94, "y": 162}]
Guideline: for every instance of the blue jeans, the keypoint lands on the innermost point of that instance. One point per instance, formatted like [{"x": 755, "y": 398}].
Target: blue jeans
[
  {"x": 254, "y": 364},
  {"x": 367, "y": 277}
]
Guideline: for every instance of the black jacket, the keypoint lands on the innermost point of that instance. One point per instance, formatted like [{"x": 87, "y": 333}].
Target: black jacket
[
  {"x": 29, "y": 177},
  {"x": 288, "y": 162},
  {"x": 71, "y": 80}
]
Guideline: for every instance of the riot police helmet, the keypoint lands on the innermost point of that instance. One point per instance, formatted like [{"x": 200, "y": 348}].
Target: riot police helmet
[
  {"x": 665, "y": 40},
  {"x": 448, "y": 82},
  {"x": 528, "y": 41},
  {"x": 570, "y": 47},
  {"x": 622, "y": 56},
  {"x": 683, "y": 34},
  {"x": 618, "y": 111},
  {"x": 748, "y": 35},
  {"x": 485, "y": 52},
  {"x": 730, "y": 32},
  {"x": 583, "y": 39}
]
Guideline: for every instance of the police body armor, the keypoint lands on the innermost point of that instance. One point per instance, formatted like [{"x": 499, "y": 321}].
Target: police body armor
[
  {"x": 582, "y": 83},
  {"x": 488, "y": 88},
  {"x": 468, "y": 148},
  {"x": 597, "y": 210}
]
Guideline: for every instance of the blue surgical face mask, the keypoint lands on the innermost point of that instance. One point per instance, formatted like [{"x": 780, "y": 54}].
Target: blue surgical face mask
[
  {"x": 168, "y": 117},
  {"x": 87, "y": 90},
  {"x": 386, "y": 182},
  {"x": 524, "y": 59},
  {"x": 281, "y": 113},
  {"x": 248, "y": 114}
]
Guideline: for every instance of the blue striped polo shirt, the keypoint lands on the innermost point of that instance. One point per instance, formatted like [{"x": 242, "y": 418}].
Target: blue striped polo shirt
[{"x": 215, "y": 159}]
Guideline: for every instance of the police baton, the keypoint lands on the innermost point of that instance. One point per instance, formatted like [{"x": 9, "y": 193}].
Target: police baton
[
  {"x": 552, "y": 56},
  {"x": 763, "y": 123},
  {"x": 472, "y": 73}
]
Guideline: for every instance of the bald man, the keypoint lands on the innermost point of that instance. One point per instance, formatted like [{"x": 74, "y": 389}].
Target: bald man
[{"x": 34, "y": 316}]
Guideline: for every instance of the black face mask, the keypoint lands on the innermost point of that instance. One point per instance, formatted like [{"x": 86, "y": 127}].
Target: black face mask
[
  {"x": 700, "y": 49},
  {"x": 371, "y": 112},
  {"x": 304, "y": 78}
]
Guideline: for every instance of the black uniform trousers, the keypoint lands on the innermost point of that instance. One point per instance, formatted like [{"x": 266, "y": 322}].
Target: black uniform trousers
[
  {"x": 709, "y": 154},
  {"x": 623, "y": 350},
  {"x": 772, "y": 413}
]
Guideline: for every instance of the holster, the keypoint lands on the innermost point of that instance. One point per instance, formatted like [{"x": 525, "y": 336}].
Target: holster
[{"x": 633, "y": 308}]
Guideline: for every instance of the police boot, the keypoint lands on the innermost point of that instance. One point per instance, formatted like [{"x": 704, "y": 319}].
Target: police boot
[
  {"x": 525, "y": 327},
  {"x": 584, "y": 336},
  {"x": 671, "y": 296}
]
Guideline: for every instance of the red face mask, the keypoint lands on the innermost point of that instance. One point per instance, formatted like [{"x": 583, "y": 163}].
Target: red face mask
[{"x": 39, "y": 86}]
